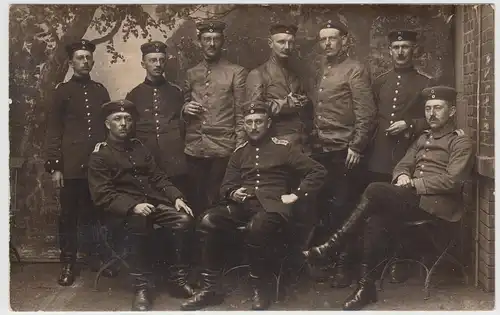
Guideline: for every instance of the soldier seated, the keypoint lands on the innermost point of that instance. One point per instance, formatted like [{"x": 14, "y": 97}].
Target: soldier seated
[
  {"x": 125, "y": 180},
  {"x": 426, "y": 184},
  {"x": 256, "y": 196}
]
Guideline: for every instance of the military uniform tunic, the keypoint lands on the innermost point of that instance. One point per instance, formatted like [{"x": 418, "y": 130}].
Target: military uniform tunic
[
  {"x": 122, "y": 175},
  {"x": 220, "y": 88},
  {"x": 439, "y": 162},
  {"x": 264, "y": 168},
  {"x": 273, "y": 81},
  {"x": 74, "y": 126},
  {"x": 159, "y": 126},
  {"x": 397, "y": 98}
]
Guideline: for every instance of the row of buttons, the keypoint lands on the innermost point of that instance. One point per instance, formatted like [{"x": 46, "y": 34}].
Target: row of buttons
[
  {"x": 395, "y": 99},
  {"x": 89, "y": 117}
]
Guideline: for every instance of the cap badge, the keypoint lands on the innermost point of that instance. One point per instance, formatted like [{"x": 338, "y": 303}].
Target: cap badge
[
  {"x": 400, "y": 38},
  {"x": 252, "y": 111},
  {"x": 211, "y": 30},
  {"x": 122, "y": 109}
]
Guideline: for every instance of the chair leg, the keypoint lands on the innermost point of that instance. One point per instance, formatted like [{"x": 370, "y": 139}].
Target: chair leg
[
  {"x": 431, "y": 271},
  {"x": 103, "y": 267},
  {"x": 390, "y": 261}
]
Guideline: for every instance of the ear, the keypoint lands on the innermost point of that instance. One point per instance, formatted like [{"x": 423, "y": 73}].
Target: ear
[
  {"x": 453, "y": 110},
  {"x": 270, "y": 42},
  {"x": 143, "y": 64},
  {"x": 269, "y": 122},
  {"x": 107, "y": 124},
  {"x": 344, "y": 40}
]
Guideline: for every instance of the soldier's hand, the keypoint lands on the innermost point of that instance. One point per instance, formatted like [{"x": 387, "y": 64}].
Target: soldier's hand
[
  {"x": 193, "y": 108},
  {"x": 58, "y": 179},
  {"x": 397, "y": 127},
  {"x": 239, "y": 195},
  {"x": 352, "y": 158},
  {"x": 289, "y": 199},
  {"x": 181, "y": 205},
  {"x": 403, "y": 181},
  {"x": 144, "y": 209},
  {"x": 277, "y": 105},
  {"x": 298, "y": 100}
]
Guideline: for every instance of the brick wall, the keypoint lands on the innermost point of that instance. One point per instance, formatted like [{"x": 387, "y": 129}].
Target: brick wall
[{"x": 479, "y": 193}]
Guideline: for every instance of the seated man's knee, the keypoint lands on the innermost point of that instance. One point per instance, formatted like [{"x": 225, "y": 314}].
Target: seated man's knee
[
  {"x": 209, "y": 220},
  {"x": 377, "y": 189},
  {"x": 263, "y": 227}
]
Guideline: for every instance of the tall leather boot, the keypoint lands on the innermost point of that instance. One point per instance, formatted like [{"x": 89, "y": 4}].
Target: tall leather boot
[
  {"x": 342, "y": 277},
  {"x": 210, "y": 276},
  {"x": 334, "y": 243},
  {"x": 259, "y": 278},
  {"x": 142, "y": 298},
  {"x": 365, "y": 292},
  {"x": 178, "y": 272}
]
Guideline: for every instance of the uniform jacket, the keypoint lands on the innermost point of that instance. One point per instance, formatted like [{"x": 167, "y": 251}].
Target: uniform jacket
[
  {"x": 159, "y": 126},
  {"x": 397, "y": 96},
  {"x": 220, "y": 87},
  {"x": 74, "y": 126},
  {"x": 344, "y": 109},
  {"x": 122, "y": 175},
  {"x": 439, "y": 163},
  {"x": 265, "y": 169},
  {"x": 273, "y": 81}
]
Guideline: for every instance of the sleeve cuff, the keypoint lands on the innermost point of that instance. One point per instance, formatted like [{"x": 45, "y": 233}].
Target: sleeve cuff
[
  {"x": 53, "y": 165},
  {"x": 420, "y": 186}
]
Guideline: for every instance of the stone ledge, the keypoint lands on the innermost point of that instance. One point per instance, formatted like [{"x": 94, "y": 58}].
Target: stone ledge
[{"x": 485, "y": 166}]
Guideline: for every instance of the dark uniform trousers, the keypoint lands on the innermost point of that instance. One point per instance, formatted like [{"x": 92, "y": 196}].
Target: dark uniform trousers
[
  {"x": 77, "y": 209},
  {"x": 222, "y": 222},
  {"x": 174, "y": 228},
  {"x": 387, "y": 206},
  {"x": 205, "y": 175}
]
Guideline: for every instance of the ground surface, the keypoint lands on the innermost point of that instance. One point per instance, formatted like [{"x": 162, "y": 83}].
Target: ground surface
[{"x": 34, "y": 288}]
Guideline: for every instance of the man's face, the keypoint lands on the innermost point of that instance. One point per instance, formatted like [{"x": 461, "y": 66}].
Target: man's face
[
  {"x": 211, "y": 44},
  {"x": 331, "y": 41},
  {"x": 119, "y": 125},
  {"x": 438, "y": 113},
  {"x": 154, "y": 63},
  {"x": 256, "y": 125},
  {"x": 82, "y": 62},
  {"x": 282, "y": 44},
  {"x": 402, "y": 52}
]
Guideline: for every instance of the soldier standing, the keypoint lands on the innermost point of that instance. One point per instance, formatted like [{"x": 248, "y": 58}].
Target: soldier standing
[
  {"x": 276, "y": 83},
  {"x": 73, "y": 129},
  {"x": 344, "y": 116},
  {"x": 426, "y": 185},
  {"x": 401, "y": 115},
  {"x": 257, "y": 195},
  {"x": 159, "y": 103},
  {"x": 214, "y": 94},
  {"x": 127, "y": 184}
]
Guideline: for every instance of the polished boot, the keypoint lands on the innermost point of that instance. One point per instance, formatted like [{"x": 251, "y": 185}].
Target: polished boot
[
  {"x": 67, "y": 276},
  {"x": 342, "y": 276},
  {"x": 261, "y": 293},
  {"x": 335, "y": 241},
  {"x": 142, "y": 299},
  {"x": 208, "y": 294},
  {"x": 365, "y": 292},
  {"x": 178, "y": 282},
  {"x": 398, "y": 273}
]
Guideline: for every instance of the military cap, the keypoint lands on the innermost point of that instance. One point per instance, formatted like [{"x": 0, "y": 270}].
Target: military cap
[
  {"x": 210, "y": 27},
  {"x": 118, "y": 106},
  {"x": 282, "y": 28},
  {"x": 153, "y": 47},
  {"x": 336, "y": 24},
  {"x": 402, "y": 35},
  {"x": 255, "y": 107},
  {"x": 440, "y": 92},
  {"x": 82, "y": 44}
]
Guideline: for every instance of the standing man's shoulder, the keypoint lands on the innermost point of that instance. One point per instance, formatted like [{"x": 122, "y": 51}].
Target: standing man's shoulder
[
  {"x": 460, "y": 140},
  {"x": 384, "y": 76},
  {"x": 424, "y": 74}
]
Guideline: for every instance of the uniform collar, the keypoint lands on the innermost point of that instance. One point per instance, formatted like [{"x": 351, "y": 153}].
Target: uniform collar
[
  {"x": 340, "y": 57},
  {"x": 280, "y": 62},
  {"x": 446, "y": 129},
  {"x": 211, "y": 63},
  {"x": 81, "y": 79},
  {"x": 404, "y": 70},
  {"x": 119, "y": 145},
  {"x": 159, "y": 82}
]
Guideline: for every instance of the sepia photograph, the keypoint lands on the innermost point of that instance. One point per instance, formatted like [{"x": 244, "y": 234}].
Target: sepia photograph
[{"x": 239, "y": 157}]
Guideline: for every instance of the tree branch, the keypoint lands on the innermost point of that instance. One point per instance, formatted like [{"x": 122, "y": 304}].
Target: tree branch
[{"x": 112, "y": 32}]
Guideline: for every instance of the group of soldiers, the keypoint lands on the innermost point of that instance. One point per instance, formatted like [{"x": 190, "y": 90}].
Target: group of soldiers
[{"x": 243, "y": 155}]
